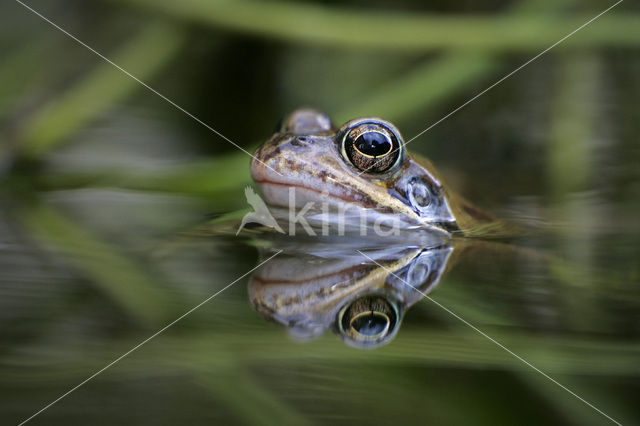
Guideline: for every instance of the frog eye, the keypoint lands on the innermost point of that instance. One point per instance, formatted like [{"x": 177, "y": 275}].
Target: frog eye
[
  {"x": 371, "y": 145},
  {"x": 369, "y": 320}
]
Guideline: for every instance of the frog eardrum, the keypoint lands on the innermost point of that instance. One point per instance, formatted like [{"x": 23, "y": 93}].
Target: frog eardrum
[{"x": 371, "y": 145}]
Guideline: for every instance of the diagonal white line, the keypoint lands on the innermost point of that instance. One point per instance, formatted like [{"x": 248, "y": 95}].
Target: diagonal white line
[
  {"x": 145, "y": 85},
  {"x": 515, "y": 71},
  {"x": 147, "y": 340},
  {"x": 493, "y": 340},
  {"x": 505, "y": 77}
]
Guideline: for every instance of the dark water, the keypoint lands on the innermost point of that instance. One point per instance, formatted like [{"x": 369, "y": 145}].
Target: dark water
[
  {"x": 93, "y": 260},
  {"x": 573, "y": 318}
]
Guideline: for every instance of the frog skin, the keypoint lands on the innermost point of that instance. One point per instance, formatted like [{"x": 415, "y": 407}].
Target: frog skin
[
  {"x": 363, "y": 169},
  {"x": 360, "y": 293}
]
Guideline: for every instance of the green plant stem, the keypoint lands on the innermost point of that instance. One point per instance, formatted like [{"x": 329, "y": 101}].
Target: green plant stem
[
  {"x": 143, "y": 56},
  {"x": 115, "y": 274},
  {"x": 299, "y": 22}
]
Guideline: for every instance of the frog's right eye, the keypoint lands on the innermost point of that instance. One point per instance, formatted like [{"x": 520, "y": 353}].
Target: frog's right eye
[{"x": 371, "y": 145}]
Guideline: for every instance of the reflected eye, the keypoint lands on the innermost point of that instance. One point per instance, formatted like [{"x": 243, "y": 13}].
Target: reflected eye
[
  {"x": 368, "y": 320},
  {"x": 370, "y": 323},
  {"x": 371, "y": 145}
]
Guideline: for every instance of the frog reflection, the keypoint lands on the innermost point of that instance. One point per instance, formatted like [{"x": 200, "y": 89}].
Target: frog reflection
[{"x": 361, "y": 294}]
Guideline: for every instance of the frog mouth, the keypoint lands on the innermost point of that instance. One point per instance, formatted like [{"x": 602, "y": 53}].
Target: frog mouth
[
  {"x": 346, "y": 209},
  {"x": 332, "y": 201},
  {"x": 265, "y": 183}
]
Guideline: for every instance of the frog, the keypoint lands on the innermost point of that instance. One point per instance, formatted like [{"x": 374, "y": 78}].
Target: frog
[
  {"x": 362, "y": 170},
  {"x": 360, "y": 290}
]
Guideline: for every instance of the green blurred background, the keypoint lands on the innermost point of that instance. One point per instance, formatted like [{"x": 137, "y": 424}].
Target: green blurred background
[{"x": 96, "y": 171}]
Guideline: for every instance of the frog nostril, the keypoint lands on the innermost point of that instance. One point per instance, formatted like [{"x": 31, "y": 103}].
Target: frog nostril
[{"x": 300, "y": 141}]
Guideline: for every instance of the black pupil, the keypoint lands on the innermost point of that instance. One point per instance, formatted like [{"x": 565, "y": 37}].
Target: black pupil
[
  {"x": 370, "y": 325},
  {"x": 373, "y": 144}
]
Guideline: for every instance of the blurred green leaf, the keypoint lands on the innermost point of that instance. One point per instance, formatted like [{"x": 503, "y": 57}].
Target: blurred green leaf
[
  {"x": 301, "y": 22},
  {"x": 574, "y": 109},
  {"x": 143, "y": 56},
  {"x": 230, "y": 347},
  {"x": 573, "y": 408},
  {"x": 424, "y": 87},
  {"x": 206, "y": 178},
  {"x": 18, "y": 71},
  {"x": 249, "y": 401},
  {"x": 114, "y": 273}
]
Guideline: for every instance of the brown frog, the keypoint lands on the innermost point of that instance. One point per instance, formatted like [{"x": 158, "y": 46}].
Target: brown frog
[
  {"x": 360, "y": 293},
  {"x": 359, "y": 175}
]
